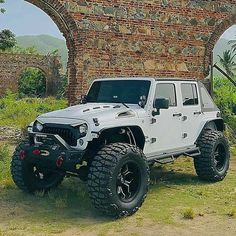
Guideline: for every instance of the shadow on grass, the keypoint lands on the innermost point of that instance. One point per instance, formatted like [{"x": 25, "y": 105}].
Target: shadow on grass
[
  {"x": 177, "y": 176},
  {"x": 69, "y": 204}
]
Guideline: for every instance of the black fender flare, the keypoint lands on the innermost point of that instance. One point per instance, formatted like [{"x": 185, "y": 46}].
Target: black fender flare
[
  {"x": 218, "y": 123},
  {"x": 136, "y": 131}
]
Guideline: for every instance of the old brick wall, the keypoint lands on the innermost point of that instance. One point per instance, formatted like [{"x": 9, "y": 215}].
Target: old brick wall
[
  {"x": 12, "y": 65},
  {"x": 166, "y": 38}
]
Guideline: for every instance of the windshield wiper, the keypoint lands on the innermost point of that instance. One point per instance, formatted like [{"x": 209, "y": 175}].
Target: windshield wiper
[{"x": 124, "y": 104}]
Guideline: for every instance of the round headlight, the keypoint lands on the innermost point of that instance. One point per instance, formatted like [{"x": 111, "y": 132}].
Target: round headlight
[
  {"x": 39, "y": 126},
  {"x": 83, "y": 129}
]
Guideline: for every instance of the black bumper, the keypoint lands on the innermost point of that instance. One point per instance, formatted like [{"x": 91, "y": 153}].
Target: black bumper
[{"x": 52, "y": 152}]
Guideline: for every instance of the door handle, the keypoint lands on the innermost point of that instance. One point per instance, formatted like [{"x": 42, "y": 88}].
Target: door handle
[
  {"x": 197, "y": 113},
  {"x": 177, "y": 114}
]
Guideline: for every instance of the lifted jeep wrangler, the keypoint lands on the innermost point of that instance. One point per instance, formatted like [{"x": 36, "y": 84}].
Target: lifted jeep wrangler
[{"x": 121, "y": 128}]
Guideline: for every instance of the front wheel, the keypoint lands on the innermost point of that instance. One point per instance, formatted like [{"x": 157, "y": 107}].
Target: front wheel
[
  {"x": 213, "y": 163},
  {"x": 29, "y": 177},
  {"x": 118, "y": 179}
]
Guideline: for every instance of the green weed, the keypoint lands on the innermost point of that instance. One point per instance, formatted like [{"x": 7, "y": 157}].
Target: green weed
[
  {"x": 189, "y": 214},
  {"x": 232, "y": 213}
]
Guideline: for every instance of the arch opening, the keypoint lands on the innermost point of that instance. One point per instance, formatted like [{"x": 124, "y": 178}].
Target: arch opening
[
  {"x": 221, "y": 50},
  {"x": 65, "y": 24},
  {"x": 216, "y": 35}
]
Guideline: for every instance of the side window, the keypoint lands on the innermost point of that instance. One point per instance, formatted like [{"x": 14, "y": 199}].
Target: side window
[
  {"x": 206, "y": 99},
  {"x": 189, "y": 94},
  {"x": 166, "y": 91}
]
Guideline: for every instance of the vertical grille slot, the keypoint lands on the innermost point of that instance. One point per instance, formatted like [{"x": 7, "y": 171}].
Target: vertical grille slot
[{"x": 65, "y": 133}]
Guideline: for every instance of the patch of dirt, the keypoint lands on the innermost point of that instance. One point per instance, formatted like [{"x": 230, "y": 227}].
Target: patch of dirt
[
  {"x": 233, "y": 163},
  {"x": 10, "y": 134},
  {"x": 204, "y": 226}
]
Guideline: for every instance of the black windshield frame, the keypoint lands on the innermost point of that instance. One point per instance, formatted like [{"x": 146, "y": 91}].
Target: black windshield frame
[{"x": 118, "y": 91}]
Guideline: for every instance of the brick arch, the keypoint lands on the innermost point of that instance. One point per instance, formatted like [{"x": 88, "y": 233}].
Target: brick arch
[
  {"x": 12, "y": 65},
  {"x": 67, "y": 25},
  {"x": 219, "y": 30}
]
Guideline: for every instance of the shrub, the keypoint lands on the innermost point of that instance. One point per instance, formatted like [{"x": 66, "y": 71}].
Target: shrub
[{"x": 225, "y": 98}]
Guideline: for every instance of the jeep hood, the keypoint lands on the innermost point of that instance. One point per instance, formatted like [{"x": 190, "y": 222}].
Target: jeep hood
[{"x": 86, "y": 112}]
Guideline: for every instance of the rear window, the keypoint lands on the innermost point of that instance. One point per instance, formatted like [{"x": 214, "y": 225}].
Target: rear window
[
  {"x": 207, "y": 101},
  {"x": 189, "y": 94}
]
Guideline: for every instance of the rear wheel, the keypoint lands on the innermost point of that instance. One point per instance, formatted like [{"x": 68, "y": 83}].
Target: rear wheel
[
  {"x": 213, "y": 163},
  {"x": 29, "y": 177},
  {"x": 118, "y": 179}
]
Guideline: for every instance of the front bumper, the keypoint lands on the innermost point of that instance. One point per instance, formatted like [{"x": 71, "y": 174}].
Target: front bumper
[{"x": 52, "y": 152}]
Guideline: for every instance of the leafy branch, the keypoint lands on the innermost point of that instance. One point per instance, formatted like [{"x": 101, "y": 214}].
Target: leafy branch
[{"x": 2, "y": 10}]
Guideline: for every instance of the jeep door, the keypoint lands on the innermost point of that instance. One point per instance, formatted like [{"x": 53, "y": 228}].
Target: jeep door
[
  {"x": 165, "y": 130},
  {"x": 191, "y": 112}
]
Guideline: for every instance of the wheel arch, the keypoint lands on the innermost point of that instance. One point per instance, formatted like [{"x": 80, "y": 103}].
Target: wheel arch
[
  {"x": 217, "y": 124},
  {"x": 136, "y": 131}
]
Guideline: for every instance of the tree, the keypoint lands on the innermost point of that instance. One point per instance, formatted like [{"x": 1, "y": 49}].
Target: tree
[
  {"x": 2, "y": 10},
  {"x": 7, "y": 39},
  {"x": 227, "y": 61},
  {"x": 32, "y": 83}
]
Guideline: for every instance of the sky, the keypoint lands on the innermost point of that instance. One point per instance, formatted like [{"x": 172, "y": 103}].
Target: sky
[{"x": 23, "y": 18}]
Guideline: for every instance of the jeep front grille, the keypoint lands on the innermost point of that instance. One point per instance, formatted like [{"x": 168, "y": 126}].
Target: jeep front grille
[{"x": 64, "y": 133}]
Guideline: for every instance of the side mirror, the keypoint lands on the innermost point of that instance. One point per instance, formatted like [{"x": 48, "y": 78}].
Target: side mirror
[
  {"x": 83, "y": 99},
  {"x": 142, "y": 101},
  {"x": 160, "y": 103}
]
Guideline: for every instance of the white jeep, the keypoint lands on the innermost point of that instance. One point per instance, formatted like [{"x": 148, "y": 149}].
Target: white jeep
[{"x": 122, "y": 127}]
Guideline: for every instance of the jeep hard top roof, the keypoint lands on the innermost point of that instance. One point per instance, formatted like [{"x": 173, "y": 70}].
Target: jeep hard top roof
[{"x": 148, "y": 78}]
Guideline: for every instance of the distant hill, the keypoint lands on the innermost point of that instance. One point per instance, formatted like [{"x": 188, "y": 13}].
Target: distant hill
[{"x": 45, "y": 44}]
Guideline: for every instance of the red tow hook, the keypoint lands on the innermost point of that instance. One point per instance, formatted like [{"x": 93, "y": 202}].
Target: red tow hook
[
  {"x": 22, "y": 155},
  {"x": 59, "y": 161}
]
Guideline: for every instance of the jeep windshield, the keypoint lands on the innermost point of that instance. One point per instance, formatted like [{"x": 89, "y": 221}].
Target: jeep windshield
[{"x": 118, "y": 91}]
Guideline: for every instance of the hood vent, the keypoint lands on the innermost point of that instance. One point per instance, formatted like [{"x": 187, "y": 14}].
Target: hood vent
[
  {"x": 96, "y": 108},
  {"x": 126, "y": 114}
]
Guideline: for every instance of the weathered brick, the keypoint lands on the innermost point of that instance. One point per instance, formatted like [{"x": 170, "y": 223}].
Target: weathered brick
[
  {"x": 12, "y": 65},
  {"x": 167, "y": 38}
]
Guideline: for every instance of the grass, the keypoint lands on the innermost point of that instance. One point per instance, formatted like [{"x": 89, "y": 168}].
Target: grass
[
  {"x": 175, "y": 194},
  {"x": 19, "y": 113}
]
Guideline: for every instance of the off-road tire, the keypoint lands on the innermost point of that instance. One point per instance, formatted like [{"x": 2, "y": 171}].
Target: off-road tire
[
  {"x": 209, "y": 165},
  {"x": 106, "y": 169},
  {"x": 23, "y": 174}
]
